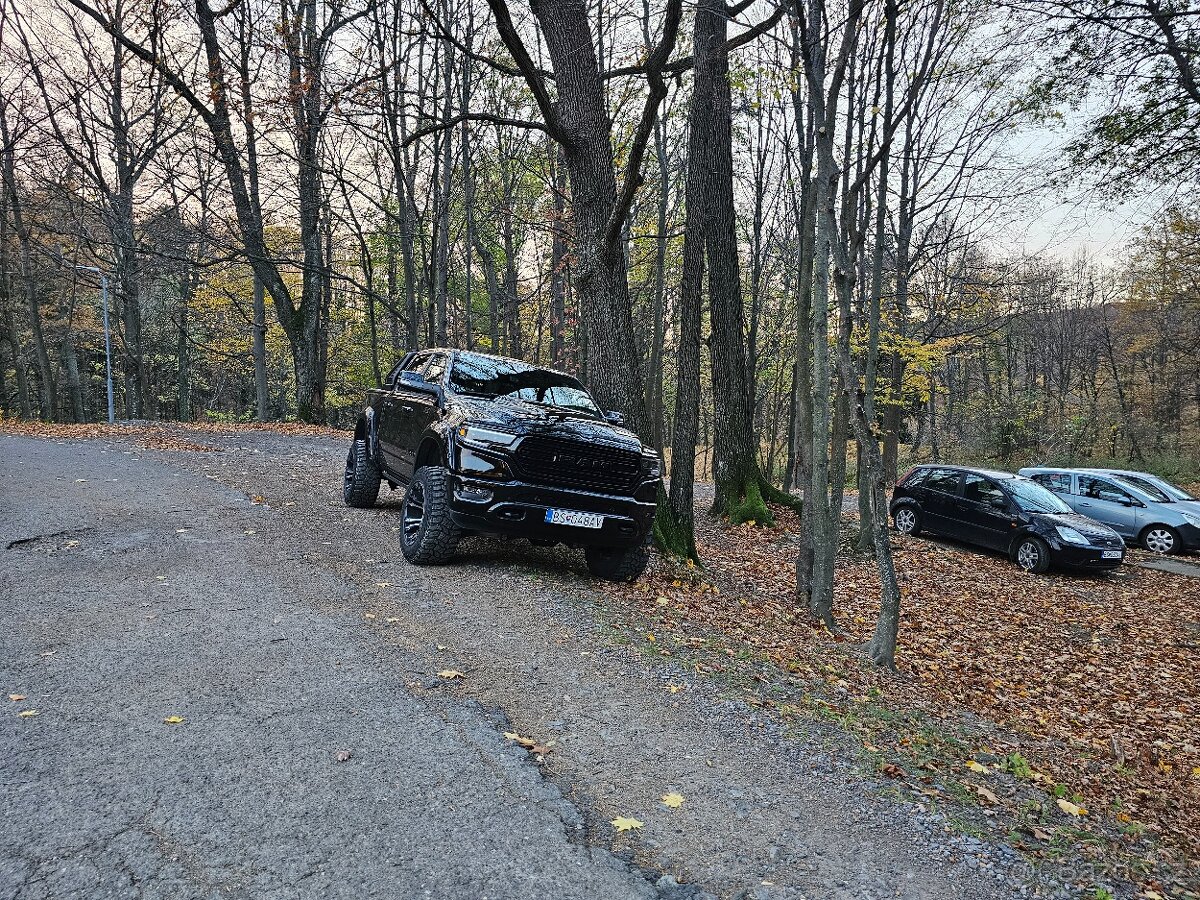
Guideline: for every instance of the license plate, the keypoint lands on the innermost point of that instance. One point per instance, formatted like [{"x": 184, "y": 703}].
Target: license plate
[
  {"x": 571, "y": 517},
  {"x": 1111, "y": 554}
]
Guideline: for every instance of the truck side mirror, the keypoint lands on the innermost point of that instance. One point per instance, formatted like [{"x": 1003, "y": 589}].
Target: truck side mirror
[
  {"x": 415, "y": 381},
  {"x": 613, "y": 417}
]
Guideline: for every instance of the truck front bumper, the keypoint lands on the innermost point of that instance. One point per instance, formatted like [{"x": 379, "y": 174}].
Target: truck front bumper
[{"x": 518, "y": 509}]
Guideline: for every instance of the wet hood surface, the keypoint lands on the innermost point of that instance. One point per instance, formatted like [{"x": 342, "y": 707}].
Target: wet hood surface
[
  {"x": 524, "y": 418},
  {"x": 1080, "y": 523}
]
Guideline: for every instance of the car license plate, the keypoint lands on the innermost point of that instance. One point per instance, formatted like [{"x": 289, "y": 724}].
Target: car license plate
[
  {"x": 1111, "y": 554},
  {"x": 571, "y": 517}
]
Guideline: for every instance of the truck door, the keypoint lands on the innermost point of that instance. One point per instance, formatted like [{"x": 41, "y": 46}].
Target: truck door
[
  {"x": 420, "y": 410},
  {"x": 397, "y": 409}
]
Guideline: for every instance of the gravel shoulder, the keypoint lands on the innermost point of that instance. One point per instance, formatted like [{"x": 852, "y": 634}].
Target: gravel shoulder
[{"x": 291, "y": 627}]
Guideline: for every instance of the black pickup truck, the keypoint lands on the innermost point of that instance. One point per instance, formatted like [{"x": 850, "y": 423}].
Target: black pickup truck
[{"x": 496, "y": 446}]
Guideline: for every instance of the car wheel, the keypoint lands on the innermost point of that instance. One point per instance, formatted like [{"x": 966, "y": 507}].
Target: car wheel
[
  {"x": 427, "y": 534},
  {"x": 614, "y": 564},
  {"x": 1160, "y": 539},
  {"x": 361, "y": 486},
  {"x": 907, "y": 519},
  {"x": 1033, "y": 555}
]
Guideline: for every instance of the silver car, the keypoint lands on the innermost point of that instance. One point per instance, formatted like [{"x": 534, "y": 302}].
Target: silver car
[{"x": 1142, "y": 514}]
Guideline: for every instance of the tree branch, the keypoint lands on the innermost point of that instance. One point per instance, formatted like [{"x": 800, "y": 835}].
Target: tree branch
[
  {"x": 637, "y": 152},
  {"x": 675, "y": 67},
  {"x": 470, "y": 117},
  {"x": 512, "y": 40}
]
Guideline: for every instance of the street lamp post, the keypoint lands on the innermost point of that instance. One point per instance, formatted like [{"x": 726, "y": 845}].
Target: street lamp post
[{"x": 107, "y": 343}]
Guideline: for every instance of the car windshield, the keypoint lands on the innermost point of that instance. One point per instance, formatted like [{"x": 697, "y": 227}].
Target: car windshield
[
  {"x": 1162, "y": 491},
  {"x": 1032, "y": 497},
  {"x": 495, "y": 378}
]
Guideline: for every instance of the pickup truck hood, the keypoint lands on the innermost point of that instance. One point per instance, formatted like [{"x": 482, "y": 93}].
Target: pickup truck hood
[{"x": 521, "y": 417}]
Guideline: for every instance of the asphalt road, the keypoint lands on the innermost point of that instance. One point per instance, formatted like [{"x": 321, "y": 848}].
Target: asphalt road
[
  {"x": 133, "y": 593},
  {"x": 227, "y": 585}
]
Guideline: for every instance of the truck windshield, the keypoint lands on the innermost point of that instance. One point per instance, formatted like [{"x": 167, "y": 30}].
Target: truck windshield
[
  {"x": 1032, "y": 497},
  {"x": 495, "y": 378}
]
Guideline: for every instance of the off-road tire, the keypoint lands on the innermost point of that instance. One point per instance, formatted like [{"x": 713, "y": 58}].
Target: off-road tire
[
  {"x": 1032, "y": 555},
  {"x": 907, "y": 509},
  {"x": 428, "y": 537},
  {"x": 361, "y": 485},
  {"x": 613, "y": 564},
  {"x": 1160, "y": 539}
]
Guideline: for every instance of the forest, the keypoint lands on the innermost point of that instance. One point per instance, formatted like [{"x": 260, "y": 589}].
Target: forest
[{"x": 775, "y": 236}]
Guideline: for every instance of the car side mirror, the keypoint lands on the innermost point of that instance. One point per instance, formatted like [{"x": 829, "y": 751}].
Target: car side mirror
[
  {"x": 613, "y": 417},
  {"x": 999, "y": 502}
]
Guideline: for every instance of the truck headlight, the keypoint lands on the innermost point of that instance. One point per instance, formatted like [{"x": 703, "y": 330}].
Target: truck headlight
[
  {"x": 652, "y": 464},
  {"x": 479, "y": 466},
  {"x": 1071, "y": 536},
  {"x": 473, "y": 434}
]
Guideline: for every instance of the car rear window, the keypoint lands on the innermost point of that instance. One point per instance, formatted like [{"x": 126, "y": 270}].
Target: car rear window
[
  {"x": 1059, "y": 482},
  {"x": 942, "y": 480}
]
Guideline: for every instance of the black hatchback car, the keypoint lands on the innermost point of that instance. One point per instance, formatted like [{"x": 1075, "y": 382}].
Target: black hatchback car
[{"x": 1005, "y": 512}]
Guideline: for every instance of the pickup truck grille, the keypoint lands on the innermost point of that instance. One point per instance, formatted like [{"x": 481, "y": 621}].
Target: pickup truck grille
[{"x": 558, "y": 461}]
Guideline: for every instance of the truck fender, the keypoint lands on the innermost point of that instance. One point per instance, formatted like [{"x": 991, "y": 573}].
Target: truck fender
[{"x": 366, "y": 429}]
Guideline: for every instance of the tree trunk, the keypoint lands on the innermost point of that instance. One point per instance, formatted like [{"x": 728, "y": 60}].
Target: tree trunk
[
  {"x": 601, "y": 279},
  {"x": 736, "y": 474},
  {"x": 46, "y": 392}
]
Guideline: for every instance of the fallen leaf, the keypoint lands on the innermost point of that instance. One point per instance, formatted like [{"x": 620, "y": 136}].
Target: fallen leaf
[
  {"x": 250, "y": 531},
  {"x": 368, "y": 615},
  {"x": 180, "y": 530},
  {"x": 1040, "y": 834},
  {"x": 449, "y": 674},
  {"x": 977, "y": 767},
  {"x": 343, "y": 755},
  {"x": 624, "y": 823},
  {"x": 675, "y": 688},
  {"x": 27, "y": 713},
  {"x": 891, "y": 770},
  {"x": 1070, "y": 808},
  {"x": 173, "y": 720},
  {"x": 984, "y": 794},
  {"x": 383, "y": 584},
  {"x": 663, "y": 601},
  {"x": 523, "y": 741},
  {"x": 673, "y": 800},
  {"x": 16, "y": 697},
  {"x": 391, "y": 620},
  {"x": 441, "y": 646}
]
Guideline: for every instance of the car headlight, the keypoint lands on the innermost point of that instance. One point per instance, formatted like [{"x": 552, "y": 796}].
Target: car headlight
[
  {"x": 473, "y": 434},
  {"x": 1195, "y": 520},
  {"x": 1071, "y": 536},
  {"x": 652, "y": 464}
]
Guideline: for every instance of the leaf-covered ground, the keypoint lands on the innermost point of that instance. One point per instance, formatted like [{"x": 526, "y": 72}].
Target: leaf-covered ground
[{"x": 1063, "y": 687}]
